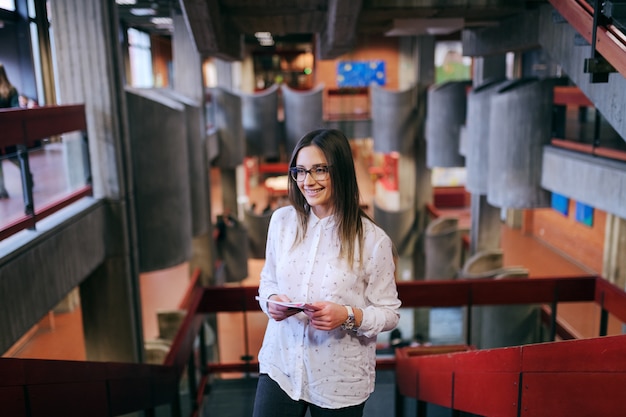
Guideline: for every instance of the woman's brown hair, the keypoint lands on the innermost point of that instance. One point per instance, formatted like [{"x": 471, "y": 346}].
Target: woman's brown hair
[
  {"x": 347, "y": 211},
  {"x": 5, "y": 86}
]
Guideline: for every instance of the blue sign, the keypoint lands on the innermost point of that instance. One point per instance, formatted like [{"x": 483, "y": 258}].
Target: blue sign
[
  {"x": 560, "y": 203},
  {"x": 360, "y": 73},
  {"x": 584, "y": 214}
]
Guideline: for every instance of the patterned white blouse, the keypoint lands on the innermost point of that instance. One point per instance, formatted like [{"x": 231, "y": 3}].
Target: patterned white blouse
[{"x": 331, "y": 369}]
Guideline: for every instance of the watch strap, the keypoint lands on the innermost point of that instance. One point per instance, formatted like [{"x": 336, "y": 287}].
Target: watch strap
[{"x": 350, "y": 321}]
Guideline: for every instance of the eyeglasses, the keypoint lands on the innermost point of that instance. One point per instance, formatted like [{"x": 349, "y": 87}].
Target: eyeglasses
[{"x": 319, "y": 173}]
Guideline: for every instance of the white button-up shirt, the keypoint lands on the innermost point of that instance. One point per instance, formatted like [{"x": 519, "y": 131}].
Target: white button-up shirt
[{"x": 331, "y": 369}]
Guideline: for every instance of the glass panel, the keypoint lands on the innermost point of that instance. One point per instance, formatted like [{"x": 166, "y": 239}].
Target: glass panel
[{"x": 58, "y": 166}]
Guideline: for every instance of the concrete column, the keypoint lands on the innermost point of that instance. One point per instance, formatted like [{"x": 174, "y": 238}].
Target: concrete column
[
  {"x": 442, "y": 247},
  {"x": 509, "y": 325},
  {"x": 158, "y": 139},
  {"x": 110, "y": 299},
  {"x": 488, "y": 74},
  {"x": 188, "y": 80},
  {"x": 107, "y": 320},
  {"x": 228, "y": 180},
  {"x": 423, "y": 58},
  {"x": 485, "y": 225},
  {"x": 614, "y": 261}
]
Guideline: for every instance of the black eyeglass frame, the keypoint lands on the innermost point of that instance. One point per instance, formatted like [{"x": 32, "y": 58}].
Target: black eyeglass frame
[{"x": 312, "y": 172}]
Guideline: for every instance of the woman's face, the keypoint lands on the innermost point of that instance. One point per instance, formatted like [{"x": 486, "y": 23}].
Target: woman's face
[{"x": 317, "y": 192}]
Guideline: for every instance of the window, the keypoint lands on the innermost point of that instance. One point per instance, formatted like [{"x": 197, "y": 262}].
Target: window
[
  {"x": 7, "y": 5},
  {"x": 140, "y": 59}
]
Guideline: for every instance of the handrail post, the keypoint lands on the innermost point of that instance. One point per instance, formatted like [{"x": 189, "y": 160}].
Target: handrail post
[
  {"x": 191, "y": 378},
  {"x": 247, "y": 358},
  {"x": 468, "y": 325},
  {"x": 553, "y": 307},
  {"x": 175, "y": 410},
  {"x": 87, "y": 158},
  {"x": 604, "y": 317},
  {"x": 399, "y": 403},
  {"x": 203, "y": 351},
  {"x": 27, "y": 180}
]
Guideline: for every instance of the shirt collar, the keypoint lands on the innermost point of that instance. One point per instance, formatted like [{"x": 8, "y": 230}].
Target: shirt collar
[{"x": 327, "y": 222}]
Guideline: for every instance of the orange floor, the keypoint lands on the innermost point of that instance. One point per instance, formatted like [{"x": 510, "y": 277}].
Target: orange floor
[{"x": 59, "y": 336}]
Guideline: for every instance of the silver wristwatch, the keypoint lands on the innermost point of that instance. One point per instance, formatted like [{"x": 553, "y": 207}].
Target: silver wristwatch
[{"x": 350, "y": 322}]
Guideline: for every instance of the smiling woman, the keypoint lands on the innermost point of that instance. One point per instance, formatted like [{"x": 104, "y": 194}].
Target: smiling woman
[{"x": 325, "y": 252}]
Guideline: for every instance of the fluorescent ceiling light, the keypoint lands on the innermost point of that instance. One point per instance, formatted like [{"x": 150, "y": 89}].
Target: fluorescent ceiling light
[
  {"x": 432, "y": 26},
  {"x": 126, "y": 2},
  {"x": 165, "y": 21},
  {"x": 143, "y": 12}
]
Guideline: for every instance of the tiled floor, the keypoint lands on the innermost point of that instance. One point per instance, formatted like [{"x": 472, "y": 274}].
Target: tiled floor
[{"x": 60, "y": 337}]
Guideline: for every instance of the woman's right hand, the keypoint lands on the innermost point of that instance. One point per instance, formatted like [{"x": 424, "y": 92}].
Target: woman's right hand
[{"x": 278, "y": 312}]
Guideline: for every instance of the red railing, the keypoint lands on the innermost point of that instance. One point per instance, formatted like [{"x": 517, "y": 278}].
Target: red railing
[
  {"x": 570, "y": 378},
  {"x": 30, "y": 387},
  {"x": 573, "y": 96},
  {"x": 22, "y": 129}
]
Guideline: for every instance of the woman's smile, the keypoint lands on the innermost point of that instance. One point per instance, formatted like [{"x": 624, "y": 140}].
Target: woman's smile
[{"x": 317, "y": 193}]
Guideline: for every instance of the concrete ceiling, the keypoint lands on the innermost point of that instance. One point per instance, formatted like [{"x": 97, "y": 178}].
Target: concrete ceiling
[{"x": 219, "y": 26}]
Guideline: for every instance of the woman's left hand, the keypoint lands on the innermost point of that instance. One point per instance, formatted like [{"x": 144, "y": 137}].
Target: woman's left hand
[{"x": 327, "y": 316}]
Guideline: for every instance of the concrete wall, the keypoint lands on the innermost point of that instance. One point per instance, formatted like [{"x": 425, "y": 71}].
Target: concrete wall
[
  {"x": 598, "y": 182},
  {"x": 38, "y": 268}
]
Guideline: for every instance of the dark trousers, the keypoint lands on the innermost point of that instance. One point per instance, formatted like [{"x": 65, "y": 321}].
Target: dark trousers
[{"x": 271, "y": 401}]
